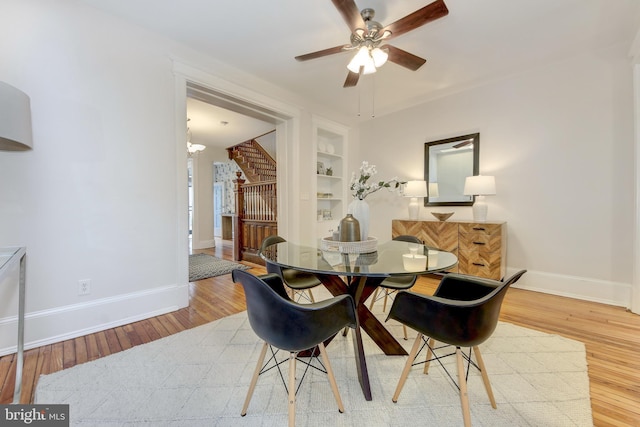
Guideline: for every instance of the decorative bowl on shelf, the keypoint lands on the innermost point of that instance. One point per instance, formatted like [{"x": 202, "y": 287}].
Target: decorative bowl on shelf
[{"x": 442, "y": 216}]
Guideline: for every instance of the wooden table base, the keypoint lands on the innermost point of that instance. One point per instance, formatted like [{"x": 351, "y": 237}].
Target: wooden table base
[{"x": 360, "y": 288}]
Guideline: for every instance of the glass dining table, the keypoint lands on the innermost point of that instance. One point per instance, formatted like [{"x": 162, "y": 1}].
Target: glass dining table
[{"x": 359, "y": 274}]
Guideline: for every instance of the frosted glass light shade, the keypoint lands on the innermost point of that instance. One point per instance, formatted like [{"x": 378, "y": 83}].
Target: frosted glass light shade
[
  {"x": 379, "y": 57},
  {"x": 15, "y": 119},
  {"x": 362, "y": 58}
]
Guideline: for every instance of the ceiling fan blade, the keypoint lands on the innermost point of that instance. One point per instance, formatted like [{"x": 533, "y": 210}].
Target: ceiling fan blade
[
  {"x": 320, "y": 53},
  {"x": 463, "y": 143},
  {"x": 352, "y": 79},
  {"x": 350, "y": 13},
  {"x": 404, "y": 58},
  {"x": 429, "y": 13}
]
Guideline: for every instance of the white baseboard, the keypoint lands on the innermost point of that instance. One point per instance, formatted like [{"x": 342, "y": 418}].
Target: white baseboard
[
  {"x": 602, "y": 291},
  {"x": 63, "y": 323},
  {"x": 204, "y": 244}
]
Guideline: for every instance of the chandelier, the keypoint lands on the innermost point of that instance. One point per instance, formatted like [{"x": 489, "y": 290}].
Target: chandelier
[{"x": 192, "y": 148}]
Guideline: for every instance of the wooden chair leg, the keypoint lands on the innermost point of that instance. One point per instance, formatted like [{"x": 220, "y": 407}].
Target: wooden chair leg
[
  {"x": 311, "y": 296},
  {"x": 430, "y": 344},
  {"x": 292, "y": 389},
  {"x": 332, "y": 379},
  {"x": 462, "y": 383},
  {"x": 386, "y": 296},
  {"x": 404, "y": 329},
  {"x": 485, "y": 377},
  {"x": 373, "y": 298},
  {"x": 254, "y": 379},
  {"x": 407, "y": 367}
]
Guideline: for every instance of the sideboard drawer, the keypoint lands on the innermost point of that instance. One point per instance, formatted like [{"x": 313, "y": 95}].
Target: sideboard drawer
[
  {"x": 479, "y": 227},
  {"x": 475, "y": 242},
  {"x": 489, "y": 271},
  {"x": 481, "y": 263}
]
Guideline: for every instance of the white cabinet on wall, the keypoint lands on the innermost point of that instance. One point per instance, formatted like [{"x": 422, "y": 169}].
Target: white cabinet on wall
[{"x": 331, "y": 180}]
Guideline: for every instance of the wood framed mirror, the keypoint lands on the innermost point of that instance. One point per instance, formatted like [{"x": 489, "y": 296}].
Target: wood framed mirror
[{"x": 447, "y": 163}]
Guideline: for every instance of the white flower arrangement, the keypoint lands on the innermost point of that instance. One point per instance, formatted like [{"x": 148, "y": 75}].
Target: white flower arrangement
[{"x": 360, "y": 188}]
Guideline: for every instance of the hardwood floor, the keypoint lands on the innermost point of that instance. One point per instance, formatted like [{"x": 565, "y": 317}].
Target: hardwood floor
[{"x": 611, "y": 336}]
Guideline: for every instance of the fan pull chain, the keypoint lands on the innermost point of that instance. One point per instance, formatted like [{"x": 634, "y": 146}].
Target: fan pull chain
[
  {"x": 373, "y": 96},
  {"x": 359, "y": 91}
]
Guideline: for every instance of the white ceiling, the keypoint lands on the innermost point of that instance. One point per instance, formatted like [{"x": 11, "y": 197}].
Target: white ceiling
[
  {"x": 206, "y": 124},
  {"x": 479, "y": 41}
]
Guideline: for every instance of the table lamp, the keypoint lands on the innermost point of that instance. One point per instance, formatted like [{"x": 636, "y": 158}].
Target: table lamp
[
  {"x": 480, "y": 186},
  {"x": 415, "y": 189},
  {"x": 15, "y": 119}
]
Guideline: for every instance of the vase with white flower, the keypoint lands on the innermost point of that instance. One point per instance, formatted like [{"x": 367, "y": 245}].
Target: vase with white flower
[{"x": 361, "y": 187}]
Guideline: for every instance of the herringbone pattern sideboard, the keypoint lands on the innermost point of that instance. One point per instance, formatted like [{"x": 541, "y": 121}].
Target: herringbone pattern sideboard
[{"x": 481, "y": 248}]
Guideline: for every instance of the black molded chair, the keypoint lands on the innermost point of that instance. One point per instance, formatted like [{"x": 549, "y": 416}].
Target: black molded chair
[
  {"x": 298, "y": 281},
  {"x": 293, "y": 327},
  {"x": 394, "y": 284},
  {"x": 463, "y": 312}
]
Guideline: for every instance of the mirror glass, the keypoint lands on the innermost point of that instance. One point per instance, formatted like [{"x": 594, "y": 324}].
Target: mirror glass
[{"x": 447, "y": 163}]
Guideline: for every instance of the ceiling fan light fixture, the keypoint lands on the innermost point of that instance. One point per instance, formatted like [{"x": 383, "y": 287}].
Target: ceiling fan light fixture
[
  {"x": 379, "y": 57},
  {"x": 362, "y": 59},
  {"x": 365, "y": 32},
  {"x": 369, "y": 67}
]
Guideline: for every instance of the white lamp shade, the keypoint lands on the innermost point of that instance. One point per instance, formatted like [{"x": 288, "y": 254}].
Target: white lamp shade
[
  {"x": 479, "y": 185},
  {"x": 15, "y": 119},
  {"x": 416, "y": 189},
  {"x": 433, "y": 189}
]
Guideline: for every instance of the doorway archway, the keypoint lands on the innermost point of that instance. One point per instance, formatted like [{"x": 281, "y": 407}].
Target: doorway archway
[{"x": 193, "y": 82}]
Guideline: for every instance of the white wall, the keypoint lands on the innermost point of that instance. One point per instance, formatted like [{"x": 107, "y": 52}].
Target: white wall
[
  {"x": 90, "y": 201},
  {"x": 100, "y": 196},
  {"x": 202, "y": 236},
  {"x": 559, "y": 140}
]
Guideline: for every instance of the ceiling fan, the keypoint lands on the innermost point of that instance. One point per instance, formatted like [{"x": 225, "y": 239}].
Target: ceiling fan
[{"x": 370, "y": 38}]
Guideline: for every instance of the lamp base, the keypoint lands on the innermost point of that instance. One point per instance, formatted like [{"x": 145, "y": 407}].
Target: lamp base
[
  {"x": 414, "y": 208},
  {"x": 480, "y": 209}
]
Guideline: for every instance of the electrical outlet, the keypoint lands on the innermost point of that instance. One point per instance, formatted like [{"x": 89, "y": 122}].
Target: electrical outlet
[{"x": 84, "y": 287}]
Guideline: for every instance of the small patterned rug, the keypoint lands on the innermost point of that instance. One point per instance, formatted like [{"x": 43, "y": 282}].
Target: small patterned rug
[{"x": 202, "y": 266}]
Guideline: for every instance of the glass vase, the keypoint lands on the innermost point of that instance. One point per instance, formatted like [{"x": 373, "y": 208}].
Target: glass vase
[{"x": 360, "y": 211}]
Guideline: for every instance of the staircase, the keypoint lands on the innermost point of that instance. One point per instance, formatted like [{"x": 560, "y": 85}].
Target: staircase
[
  {"x": 256, "y": 201},
  {"x": 254, "y": 161}
]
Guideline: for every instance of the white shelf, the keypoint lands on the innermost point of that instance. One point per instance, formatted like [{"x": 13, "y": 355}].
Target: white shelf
[{"x": 330, "y": 137}]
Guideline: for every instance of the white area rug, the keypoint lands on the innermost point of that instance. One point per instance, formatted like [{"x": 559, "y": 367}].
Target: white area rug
[{"x": 200, "y": 378}]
